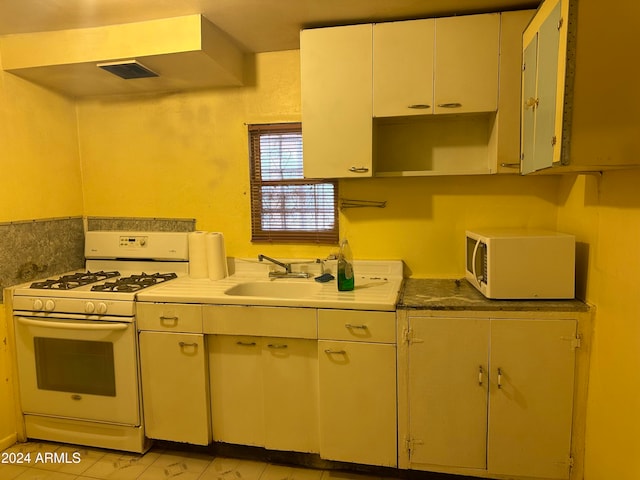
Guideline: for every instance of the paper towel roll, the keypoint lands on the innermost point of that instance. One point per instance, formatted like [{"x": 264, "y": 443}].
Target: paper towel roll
[
  {"x": 198, "y": 255},
  {"x": 216, "y": 256}
]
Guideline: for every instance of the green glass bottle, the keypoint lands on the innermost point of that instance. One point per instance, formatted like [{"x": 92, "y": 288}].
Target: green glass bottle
[{"x": 345, "y": 268}]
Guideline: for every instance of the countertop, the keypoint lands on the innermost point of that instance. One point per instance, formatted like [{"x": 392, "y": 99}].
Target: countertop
[
  {"x": 459, "y": 294},
  {"x": 377, "y": 287}
]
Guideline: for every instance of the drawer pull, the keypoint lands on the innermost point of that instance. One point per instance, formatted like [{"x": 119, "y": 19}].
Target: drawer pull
[
  {"x": 185, "y": 344},
  {"x": 278, "y": 346},
  {"x": 169, "y": 321},
  {"x": 246, "y": 344},
  {"x": 419, "y": 106},
  {"x": 350, "y": 325},
  {"x": 330, "y": 351}
]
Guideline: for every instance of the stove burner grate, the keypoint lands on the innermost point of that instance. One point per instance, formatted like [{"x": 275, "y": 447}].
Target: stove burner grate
[
  {"x": 134, "y": 283},
  {"x": 74, "y": 280}
]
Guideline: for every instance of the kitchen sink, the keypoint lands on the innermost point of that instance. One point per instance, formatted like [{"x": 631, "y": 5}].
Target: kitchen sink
[{"x": 274, "y": 289}]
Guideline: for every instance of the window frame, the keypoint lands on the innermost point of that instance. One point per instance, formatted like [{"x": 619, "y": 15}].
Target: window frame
[{"x": 260, "y": 234}]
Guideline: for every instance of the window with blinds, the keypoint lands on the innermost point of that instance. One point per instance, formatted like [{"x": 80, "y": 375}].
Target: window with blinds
[{"x": 285, "y": 206}]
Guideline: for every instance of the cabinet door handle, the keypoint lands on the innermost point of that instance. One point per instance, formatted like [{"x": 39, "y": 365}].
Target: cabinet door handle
[
  {"x": 361, "y": 327},
  {"x": 499, "y": 378},
  {"x": 246, "y": 344},
  {"x": 419, "y": 106},
  {"x": 359, "y": 169},
  {"x": 450, "y": 105},
  {"x": 278, "y": 346},
  {"x": 480, "y": 376},
  {"x": 330, "y": 351}
]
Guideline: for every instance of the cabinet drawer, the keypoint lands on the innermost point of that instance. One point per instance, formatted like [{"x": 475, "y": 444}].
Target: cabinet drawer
[
  {"x": 170, "y": 317},
  {"x": 260, "y": 321},
  {"x": 353, "y": 325}
]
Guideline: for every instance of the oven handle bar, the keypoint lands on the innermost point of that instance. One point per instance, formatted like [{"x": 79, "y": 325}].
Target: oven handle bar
[{"x": 73, "y": 326}]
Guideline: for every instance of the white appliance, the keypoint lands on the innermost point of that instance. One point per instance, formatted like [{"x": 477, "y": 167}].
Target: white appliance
[
  {"x": 521, "y": 264},
  {"x": 76, "y": 342}
]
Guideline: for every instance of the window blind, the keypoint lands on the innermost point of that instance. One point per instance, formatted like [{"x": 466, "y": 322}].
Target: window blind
[{"x": 285, "y": 206}]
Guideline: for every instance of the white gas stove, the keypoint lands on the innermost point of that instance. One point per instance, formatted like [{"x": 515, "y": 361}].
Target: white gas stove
[
  {"x": 77, "y": 344},
  {"x": 118, "y": 265}
]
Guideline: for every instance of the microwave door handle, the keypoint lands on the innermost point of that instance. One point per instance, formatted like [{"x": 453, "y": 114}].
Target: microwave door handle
[
  {"x": 473, "y": 263},
  {"x": 72, "y": 326}
]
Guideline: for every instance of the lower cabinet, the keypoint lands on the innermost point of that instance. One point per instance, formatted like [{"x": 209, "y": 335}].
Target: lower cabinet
[
  {"x": 264, "y": 391},
  {"x": 493, "y": 395},
  {"x": 175, "y": 391},
  {"x": 357, "y": 387}
]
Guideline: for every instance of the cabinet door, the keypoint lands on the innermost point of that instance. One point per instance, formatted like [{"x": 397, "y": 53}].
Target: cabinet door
[
  {"x": 357, "y": 401},
  {"x": 531, "y": 397},
  {"x": 466, "y": 63},
  {"x": 290, "y": 368},
  {"x": 541, "y": 140},
  {"x": 529, "y": 100},
  {"x": 403, "y": 68},
  {"x": 447, "y": 391},
  {"x": 237, "y": 405},
  {"x": 337, "y": 97},
  {"x": 175, "y": 387}
]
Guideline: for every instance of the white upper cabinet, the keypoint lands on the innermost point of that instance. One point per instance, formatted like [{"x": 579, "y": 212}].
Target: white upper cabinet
[
  {"x": 385, "y": 99},
  {"x": 580, "y": 110},
  {"x": 403, "y": 68},
  {"x": 337, "y": 101},
  {"x": 446, "y": 65},
  {"x": 466, "y": 63}
]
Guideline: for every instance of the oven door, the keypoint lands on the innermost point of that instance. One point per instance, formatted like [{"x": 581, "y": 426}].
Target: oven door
[{"x": 78, "y": 369}]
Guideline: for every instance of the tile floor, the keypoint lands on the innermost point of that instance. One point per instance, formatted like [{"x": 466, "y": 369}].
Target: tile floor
[{"x": 51, "y": 461}]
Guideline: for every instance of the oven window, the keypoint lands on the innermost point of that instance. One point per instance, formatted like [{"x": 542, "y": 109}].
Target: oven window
[{"x": 75, "y": 366}]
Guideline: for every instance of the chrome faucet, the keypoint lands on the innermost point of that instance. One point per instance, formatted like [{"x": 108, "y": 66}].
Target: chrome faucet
[
  {"x": 286, "y": 266},
  {"x": 287, "y": 269}
]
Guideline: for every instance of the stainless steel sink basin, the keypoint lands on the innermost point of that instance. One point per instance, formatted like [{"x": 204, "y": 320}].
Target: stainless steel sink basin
[{"x": 274, "y": 289}]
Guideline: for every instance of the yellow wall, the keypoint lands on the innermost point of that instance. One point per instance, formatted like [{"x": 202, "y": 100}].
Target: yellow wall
[
  {"x": 38, "y": 153},
  {"x": 7, "y": 417},
  {"x": 605, "y": 214},
  {"x": 40, "y": 179},
  {"x": 186, "y": 155}
]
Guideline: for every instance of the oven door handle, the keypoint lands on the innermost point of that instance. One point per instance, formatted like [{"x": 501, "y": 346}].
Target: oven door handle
[{"x": 73, "y": 326}]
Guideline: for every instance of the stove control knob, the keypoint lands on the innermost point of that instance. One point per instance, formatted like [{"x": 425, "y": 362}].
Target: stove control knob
[
  {"x": 89, "y": 307},
  {"x": 102, "y": 308},
  {"x": 37, "y": 304},
  {"x": 49, "y": 305}
]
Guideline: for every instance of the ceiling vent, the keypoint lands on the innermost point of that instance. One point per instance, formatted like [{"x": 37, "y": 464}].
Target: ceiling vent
[{"x": 128, "y": 69}]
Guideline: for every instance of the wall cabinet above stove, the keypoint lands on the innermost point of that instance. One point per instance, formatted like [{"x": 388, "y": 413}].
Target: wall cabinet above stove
[
  {"x": 185, "y": 52},
  {"x": 436, "y": 66}
]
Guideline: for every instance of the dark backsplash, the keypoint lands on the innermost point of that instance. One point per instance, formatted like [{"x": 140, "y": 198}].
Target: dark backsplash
[
  {"x": 141, "y": 224},
  {"x": 39, "y": 248}
]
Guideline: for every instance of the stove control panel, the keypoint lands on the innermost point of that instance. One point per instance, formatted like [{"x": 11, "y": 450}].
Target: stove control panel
[
  {"x": 135, "y": 242},
  {"x": 104, "y": 245},
  {"x": 95, "y": 308}
]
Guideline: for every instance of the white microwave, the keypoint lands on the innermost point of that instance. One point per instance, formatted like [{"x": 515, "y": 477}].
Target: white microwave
[{"x": 521, "y": 264}]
